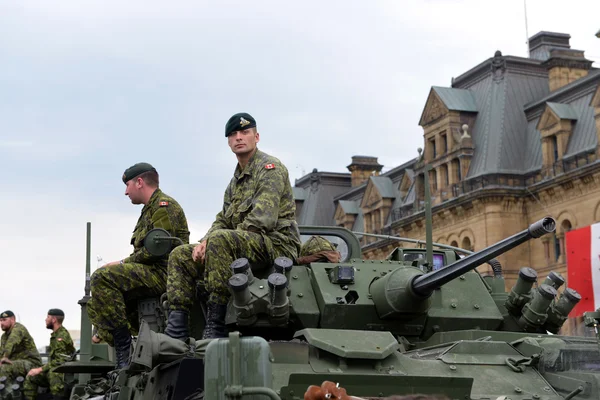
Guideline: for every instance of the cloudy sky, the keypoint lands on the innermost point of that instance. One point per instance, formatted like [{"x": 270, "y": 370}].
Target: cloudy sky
[{"x": 88, "y": 88}]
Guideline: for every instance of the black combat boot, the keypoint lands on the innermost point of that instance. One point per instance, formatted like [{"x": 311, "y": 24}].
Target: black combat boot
[
  {"x": 122, "y": 339},
  {"x": 215, "y": 321},
  {"x": 177, "y": 325}
]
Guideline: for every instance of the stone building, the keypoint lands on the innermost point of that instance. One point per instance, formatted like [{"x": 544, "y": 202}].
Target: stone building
[{"x": 512, "y": 140}]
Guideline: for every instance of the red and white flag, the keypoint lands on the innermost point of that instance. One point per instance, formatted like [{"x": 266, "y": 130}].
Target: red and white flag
[{"x": 583, "y": 266}]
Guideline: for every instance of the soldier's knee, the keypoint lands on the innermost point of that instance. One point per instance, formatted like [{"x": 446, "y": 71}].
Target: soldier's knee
[
  {"x": 177, "y": 254},
  {"x": 98, "y": 276}
]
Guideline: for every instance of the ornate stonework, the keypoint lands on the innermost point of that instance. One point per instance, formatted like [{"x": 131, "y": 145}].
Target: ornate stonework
[{"x": 434, "y": 109}]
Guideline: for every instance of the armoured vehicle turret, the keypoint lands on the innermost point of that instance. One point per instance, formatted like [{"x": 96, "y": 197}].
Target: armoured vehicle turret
[{"x": 420, "y": 321}]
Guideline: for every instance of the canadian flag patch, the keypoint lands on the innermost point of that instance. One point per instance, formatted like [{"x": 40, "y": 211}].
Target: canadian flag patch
[
  {"x": 163, "y": 203},
  {"x": 270, "y": 166}
]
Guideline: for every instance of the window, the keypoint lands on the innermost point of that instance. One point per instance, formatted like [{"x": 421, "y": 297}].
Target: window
[
  {"x": 466, "y": 244},
  {"x": 433, "y": 180},
  {"x": 557, "y": 249},
  {"x": 555, "y": 147},
  {"x": 445, "y": 177},
  {"x": 444, "y": 143},
  {"x": 433, "y": 148}
]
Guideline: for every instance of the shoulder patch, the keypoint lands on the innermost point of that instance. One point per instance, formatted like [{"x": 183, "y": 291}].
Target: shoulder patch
[
  {"x": 163, "y": 204},
  {"x": 59, "y": 339},
  {"x": 270, "y": 166}
]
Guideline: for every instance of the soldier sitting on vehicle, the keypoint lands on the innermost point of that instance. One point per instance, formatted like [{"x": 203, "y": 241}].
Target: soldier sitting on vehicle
[
  {"x": 18, "y": 353},
  {"x": 257, "y": 221},
  {"x": 61, "y": 349}
]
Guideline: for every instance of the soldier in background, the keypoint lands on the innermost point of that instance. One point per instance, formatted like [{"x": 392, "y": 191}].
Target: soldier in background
[
  {"x": 18, "y": 353},
  {"x": 61, "y": 349},
  {"x": 141, "y": 274},
  {"x": 318, "y": 249},
  {"x": 257, "y": 222}
]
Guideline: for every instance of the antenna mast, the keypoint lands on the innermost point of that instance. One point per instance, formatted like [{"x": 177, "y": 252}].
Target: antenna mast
[{"x": 526, "y": 28}]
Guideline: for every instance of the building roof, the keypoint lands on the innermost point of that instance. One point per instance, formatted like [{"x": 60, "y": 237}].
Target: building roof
[
  {"x": 563, "y": 111},
  {"x": 384, "y": 186},
  {"x": 299, "y": 193},
  {"x": 456, "y": 99},
  {"x": 498, "y": 132},
  {"x": 349, "y": 206}
]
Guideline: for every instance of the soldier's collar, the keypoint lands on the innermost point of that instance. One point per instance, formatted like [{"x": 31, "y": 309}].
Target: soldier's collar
[
  {"x": 153, "y": 199},
  {"x": 249, "y": 167}
]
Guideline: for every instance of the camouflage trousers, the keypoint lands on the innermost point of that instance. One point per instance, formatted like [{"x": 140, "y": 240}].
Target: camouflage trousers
[
  {"x": 113, "y": 287},
  {"x": 133, "y": 322},
  {"x": 16, "y": 369},
  {"x": 223, "y": 246},
  {"x": 52, "y": 380}
]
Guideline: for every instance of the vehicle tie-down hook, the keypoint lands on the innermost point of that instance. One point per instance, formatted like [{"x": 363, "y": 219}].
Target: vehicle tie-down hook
[{"x": 521, "y": 364}]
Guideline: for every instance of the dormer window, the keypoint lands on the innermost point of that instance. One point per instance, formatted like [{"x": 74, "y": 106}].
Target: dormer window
[{"x": 556, "y": 128}]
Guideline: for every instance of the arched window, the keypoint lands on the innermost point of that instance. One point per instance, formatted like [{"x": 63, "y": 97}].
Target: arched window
[
  {"x": 454, "y": 243},
  {"x": 559, "y": 240},
  {"x": 466, "y": 244}
]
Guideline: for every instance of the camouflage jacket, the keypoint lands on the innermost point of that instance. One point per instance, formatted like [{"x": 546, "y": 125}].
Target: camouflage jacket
[
  {"x": 17, "y": 344},
  {"x": 61, "y": 348},
  {"x": 162, "y": 211},
  {"x": 259, "y": 199}
]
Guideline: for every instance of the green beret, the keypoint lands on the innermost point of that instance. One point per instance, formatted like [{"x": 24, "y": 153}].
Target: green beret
[
  {"x": 239, "y": 122},
  {"x": 56, "y": 312},
  {"x": 136, "y": 170},
  {"x": 7, "y": 314}
]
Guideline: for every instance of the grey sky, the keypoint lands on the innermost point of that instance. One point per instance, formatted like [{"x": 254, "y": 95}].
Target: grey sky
[{"x": 89, "y": 88}]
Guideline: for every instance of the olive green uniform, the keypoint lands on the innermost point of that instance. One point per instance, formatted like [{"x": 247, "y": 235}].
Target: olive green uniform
[
  {"x": 141, "y": 274},
  {"x": 61, "y": 349},
  {"x": 18, "y": 346},
  {"x": 257, "y": 222}
]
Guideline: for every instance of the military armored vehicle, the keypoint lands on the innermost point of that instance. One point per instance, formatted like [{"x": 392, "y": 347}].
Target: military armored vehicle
[{"x": 421, "y": 321}]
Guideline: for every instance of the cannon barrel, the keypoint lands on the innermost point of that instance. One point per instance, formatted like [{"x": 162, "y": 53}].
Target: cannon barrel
[{"x": 425, "y": 284}]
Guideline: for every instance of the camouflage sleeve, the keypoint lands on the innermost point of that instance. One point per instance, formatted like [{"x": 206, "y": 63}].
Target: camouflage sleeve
[
  {"x": 16, "y": 336},
  {"x": 160, "y": 219},
  {"x": 60, "y": 353},
  {"x": 265, "y": 202},
  {"x": 220, "y": 221}
]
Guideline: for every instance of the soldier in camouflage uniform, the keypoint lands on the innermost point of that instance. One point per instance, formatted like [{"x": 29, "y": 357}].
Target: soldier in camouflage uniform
[
  {"x": 141, "y": 274},
  {"x": 257, "y": 222},
  {"x": 18, "y": 353},
  {"x": 318, "y": 249},
  {"x": 61, "y": 349}
]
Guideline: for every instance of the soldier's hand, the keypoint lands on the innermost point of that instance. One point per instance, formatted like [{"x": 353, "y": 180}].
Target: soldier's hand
[
  {"x": 199, "y": 251},
  {"x": 5, "y": 360},
  {"x": 34, "y": 371}
]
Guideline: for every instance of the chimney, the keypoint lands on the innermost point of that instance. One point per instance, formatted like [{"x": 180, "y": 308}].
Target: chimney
[
  {"x": 564, "y": 64},
  {"x": 362, "y": 168},
  {"x": 541, "y": 43}
]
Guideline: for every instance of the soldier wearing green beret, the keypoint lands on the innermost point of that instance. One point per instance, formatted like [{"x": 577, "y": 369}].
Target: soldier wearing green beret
[
  {"x": 18, "y": 353},
  {"x": 141, "y": 274},
  {"x": 61, "y": 350},
  {"x": 257, "y": 221}
]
